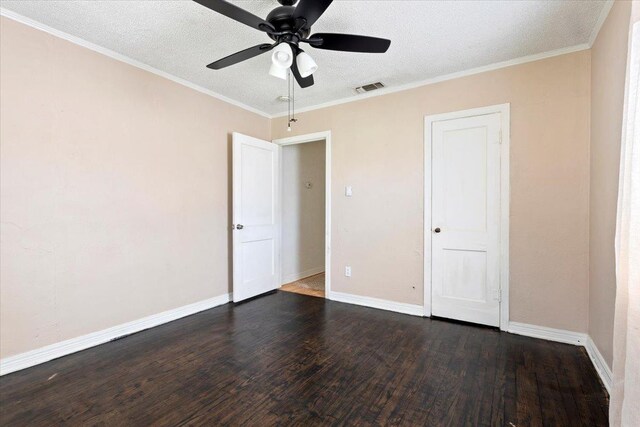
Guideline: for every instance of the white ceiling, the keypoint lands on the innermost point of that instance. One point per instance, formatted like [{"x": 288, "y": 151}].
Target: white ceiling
[{"x": 428, "y": 39}]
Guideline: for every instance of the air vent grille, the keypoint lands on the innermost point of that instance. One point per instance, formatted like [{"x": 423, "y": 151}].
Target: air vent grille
[{"x": 369, "y": 87}]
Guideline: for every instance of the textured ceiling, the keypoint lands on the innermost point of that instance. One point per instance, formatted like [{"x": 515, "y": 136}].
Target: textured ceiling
[{"x": 428, "y": 39}]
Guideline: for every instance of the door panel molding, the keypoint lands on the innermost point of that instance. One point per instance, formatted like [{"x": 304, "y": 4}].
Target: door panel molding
[
  {"x": 504, "y": 111},
  {"x": 256, "y": 202}
]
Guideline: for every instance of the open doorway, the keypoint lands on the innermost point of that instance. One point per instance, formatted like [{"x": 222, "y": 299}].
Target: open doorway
[{"x": 304, "y": 211}]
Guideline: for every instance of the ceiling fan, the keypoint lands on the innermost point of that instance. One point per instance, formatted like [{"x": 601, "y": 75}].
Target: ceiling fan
[{"x": 289, "y": 26}]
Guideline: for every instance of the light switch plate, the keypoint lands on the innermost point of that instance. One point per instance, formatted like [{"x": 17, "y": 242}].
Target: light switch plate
[{"x": 348, "y": 191}]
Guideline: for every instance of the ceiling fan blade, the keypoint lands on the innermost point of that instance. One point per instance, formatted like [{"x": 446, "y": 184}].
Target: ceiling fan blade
[
  {"x": 310, "y": 11},
  {"x": 302, "y": 81},
  {"x": 241, "y": 56},
  {"x": 234, "y": 12},
  {"x": 349, "y": 43}
]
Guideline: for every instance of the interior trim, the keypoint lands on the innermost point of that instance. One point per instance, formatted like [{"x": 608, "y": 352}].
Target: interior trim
[
  {"x": 73, "y": 345},
  {"x": 381, "y": 304},
  {"x": 568, "y": 337},
  {"x": 545, "y": 333},
  {"x": 385, "y": 91},
  {"x": 524, "y": 329},
  {"x": 442, "y": 78},
  {"x": 505, "y": 188},
  {"x": 600, "y": 364},
  {"x": 301, "y": 139},
  {"x": 122, "y": 58},
  {"x": 600, "y": 22},
  {"x": 64, "y": 348}
]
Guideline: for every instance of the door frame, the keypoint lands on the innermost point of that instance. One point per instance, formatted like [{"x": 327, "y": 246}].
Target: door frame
[
  {"x": 505, "y": 121},
  {"x": 301, "y": 139}
]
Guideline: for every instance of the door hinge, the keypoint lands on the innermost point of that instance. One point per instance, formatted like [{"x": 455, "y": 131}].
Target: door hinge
[
  {"x": 500, "y": 137},
  {"x": 498, "y": 296}
]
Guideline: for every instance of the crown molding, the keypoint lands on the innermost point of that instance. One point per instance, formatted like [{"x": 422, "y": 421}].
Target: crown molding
[
  {"x": 600, "y": 22},
  {"x": 443, "y": 78},
  {"x": 127, "y": 60},
  {"x": 386, "y": 91}
]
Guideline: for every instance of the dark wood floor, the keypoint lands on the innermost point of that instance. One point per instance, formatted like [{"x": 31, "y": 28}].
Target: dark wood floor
[{"x": 290, "y": 359}]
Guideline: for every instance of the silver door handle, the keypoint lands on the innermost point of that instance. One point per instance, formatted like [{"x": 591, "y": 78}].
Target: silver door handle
[{"x": 239, "y": 226}]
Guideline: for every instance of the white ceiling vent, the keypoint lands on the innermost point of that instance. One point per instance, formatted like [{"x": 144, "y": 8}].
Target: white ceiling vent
[{"x": 369, "y": 87}]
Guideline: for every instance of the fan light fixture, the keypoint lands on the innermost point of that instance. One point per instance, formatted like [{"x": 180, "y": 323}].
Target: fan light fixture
[
  {"x": 306, "y": 64},
  {"x": 278, "y": 71},
  {"x": 281, "y": 59}
]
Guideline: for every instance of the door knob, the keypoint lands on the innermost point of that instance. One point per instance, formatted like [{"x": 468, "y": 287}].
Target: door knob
[
  {"x": 436, "y": 230},
  {"x": 239, "y": 226}
]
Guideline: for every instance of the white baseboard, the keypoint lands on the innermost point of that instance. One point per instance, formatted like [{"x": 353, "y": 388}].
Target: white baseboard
[
  {"x": 551, "y": 334},
  {"x": 301, "y": 275},
  {"x": 600, "y": 364},
  {"x": 568, "y": 337},
  {"x": 54, "y": 351},
  {"x": 382, "y": 304}
]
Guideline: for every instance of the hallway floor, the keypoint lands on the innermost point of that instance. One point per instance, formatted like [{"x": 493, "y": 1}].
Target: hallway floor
[{"x": 312, "y": 286}]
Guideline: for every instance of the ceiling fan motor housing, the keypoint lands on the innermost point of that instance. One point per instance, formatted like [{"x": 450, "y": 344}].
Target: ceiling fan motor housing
[{"x": 282, "y": 19}]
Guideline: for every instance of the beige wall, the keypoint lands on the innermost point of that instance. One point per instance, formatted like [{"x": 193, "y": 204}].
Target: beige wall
[
  {"x": 115, "y": 197},
  {"x": 303, "y": 210},
  {"x": 608, "y": 68},
  {"x": 378, "y": 149},
  {"x": 114, "y": 191}
]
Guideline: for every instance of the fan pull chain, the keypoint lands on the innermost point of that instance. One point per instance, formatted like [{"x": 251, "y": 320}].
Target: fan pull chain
[{"x": 291, "y": 102}]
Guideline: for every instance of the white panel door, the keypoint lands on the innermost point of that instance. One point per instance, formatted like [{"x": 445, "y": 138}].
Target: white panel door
[
  {"x": 255, "y": 225},
  {"x": 465, "y": 219}
]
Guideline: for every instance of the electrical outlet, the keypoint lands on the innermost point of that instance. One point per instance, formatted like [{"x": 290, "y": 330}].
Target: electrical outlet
[{"x": 347, "y": 271}]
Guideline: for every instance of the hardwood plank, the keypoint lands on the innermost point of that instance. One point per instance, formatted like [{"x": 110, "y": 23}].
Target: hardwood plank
[{"x": 289, "y": 359}]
